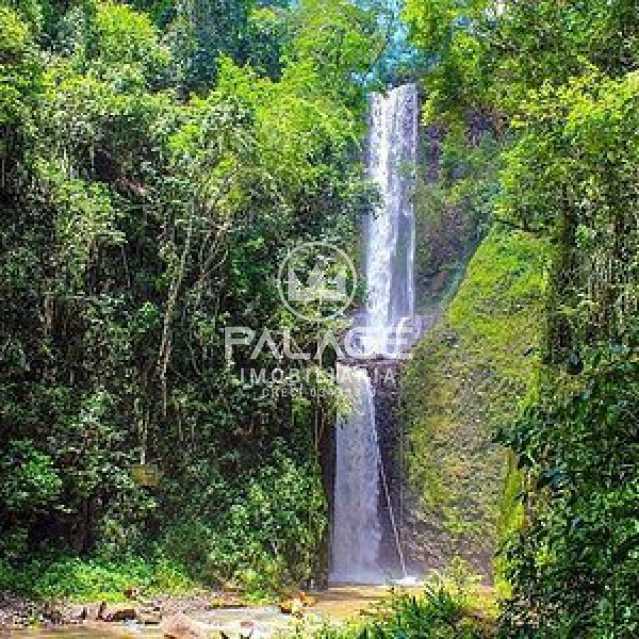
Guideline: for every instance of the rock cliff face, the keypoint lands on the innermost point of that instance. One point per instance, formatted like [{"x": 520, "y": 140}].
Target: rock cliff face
[
  {"x": 462, "y": 383},
  {"x": 392, "y": 499},
  {"x": 476, "y": 360}
]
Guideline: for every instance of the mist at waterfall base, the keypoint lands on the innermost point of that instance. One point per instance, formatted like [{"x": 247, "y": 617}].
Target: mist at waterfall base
[
  {"x": 389, "y": 239},
  {"x": 357, "y": 529}
]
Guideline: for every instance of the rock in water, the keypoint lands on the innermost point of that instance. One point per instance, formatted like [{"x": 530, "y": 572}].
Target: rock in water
[
  {"x": 131, "y": 592},
  {"x": 119, "y": 613},
  {"x": 182, "y": 627},
  {"x": 306, "y": 599},
  {"x": 292, "y": 607},
  {"x": 149, "y": 617}
]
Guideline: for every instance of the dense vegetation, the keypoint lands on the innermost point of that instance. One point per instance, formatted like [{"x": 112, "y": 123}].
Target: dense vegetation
[
  {"x": 157, "y": 162},
  {"x": 558, "y": 84},
  {"x": 158, "y": 159},
  {"x": 443, "y": 612}
]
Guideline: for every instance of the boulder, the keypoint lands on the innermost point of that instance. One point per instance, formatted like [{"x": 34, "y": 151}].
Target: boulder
[
  {"x": 292, "y": 607},
  {"x": 149, "y": 617},
  {"x": 52, "y": 614},
  {"x": 132, "y": 592},
  {"x": 182, "y": 627},
  {"x": 119, "y": 613},
  {"x": 307, "y": 599},
  {"x": 295, "y": 605},
  {"x": 85, "y": 612},
  {"x": 227, "y": 600}
]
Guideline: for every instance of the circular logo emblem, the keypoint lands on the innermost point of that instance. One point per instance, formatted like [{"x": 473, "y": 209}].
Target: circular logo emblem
[{"x": 317, "y": 281}]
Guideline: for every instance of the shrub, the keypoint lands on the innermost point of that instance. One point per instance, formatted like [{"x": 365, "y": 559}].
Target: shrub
[{"x": 439, "y": 614}]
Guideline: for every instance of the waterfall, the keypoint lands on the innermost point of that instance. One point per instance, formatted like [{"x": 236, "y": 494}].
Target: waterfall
[
  {"x": 389, "y": 255},
  {"x": 357, "y": 530},
  {"x": 390, "y": 233}
]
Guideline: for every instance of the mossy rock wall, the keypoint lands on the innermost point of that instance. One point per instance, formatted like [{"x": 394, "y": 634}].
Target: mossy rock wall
[{"x": 466, "y": 378}]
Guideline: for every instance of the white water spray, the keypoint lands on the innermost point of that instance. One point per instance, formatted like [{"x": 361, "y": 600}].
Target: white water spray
[
  {"x": 390, "y": 233},
  {"x": 357, "y": 531},
  {"x": 390, "y": 249}
]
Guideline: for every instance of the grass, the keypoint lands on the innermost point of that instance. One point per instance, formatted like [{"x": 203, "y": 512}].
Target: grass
[{"x": 83, "y": 580}]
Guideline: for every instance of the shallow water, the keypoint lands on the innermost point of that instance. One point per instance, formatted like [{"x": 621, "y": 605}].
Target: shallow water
[{"x": 338, "y": 603}]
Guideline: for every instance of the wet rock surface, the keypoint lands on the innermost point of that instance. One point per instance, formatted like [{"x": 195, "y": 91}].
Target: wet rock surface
[
  {"x": 199, "y": 617},
  {"x": 15, "y": 611},
  {"x": 182, "y": 627},
  {"x": 18, "y": 612}
]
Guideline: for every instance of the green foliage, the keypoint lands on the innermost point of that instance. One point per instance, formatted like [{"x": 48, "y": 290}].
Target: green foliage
[
  {"x": 19, "y": 75},
  {"x": 87, "y": 216},
  {"x": 487, "y": 55},
  {"x": 465, "y": 378},
  {"x": 15, "y": 34},
  {"x": 579, "y": 141},
  {"x": 337, "y": 39},
  {"x": 266, "y": 535},
  {"x": 442, "y": 30},
  {"x": 28, "y": 478},
  {"x": 438, "y": 614},
  {"x": 200, "y": 33},
  {"x": 577, "y": 560},
  {"x": 558, "y": 82},
  {"x": 126, "y": 41},
  {"x": 269, "y": 33},
  {"x": 139, "y": 222},
  {"x": 80, "y": 580}
]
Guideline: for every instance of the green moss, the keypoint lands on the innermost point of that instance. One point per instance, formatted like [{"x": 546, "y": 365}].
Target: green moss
[
  {"x": 445, "y": 236},
  {"x": 453, "y": 204},
  {"x": 509, "y": 519},
  {"x": 467, "y": 377}
]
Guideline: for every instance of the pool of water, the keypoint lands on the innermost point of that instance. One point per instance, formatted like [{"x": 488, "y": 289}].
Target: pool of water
[{"x": 338, "y": 603}]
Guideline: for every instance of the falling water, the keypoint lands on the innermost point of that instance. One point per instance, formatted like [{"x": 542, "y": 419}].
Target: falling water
[
  {"x": 390, "y": 233},
  {"x": 357, "y": 531},
  {"x": 390, "y": 248}
]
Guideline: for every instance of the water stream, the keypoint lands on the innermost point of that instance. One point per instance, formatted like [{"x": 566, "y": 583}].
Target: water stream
[
  {"x": 357, "y": 529},
  {"x": 339, "y": 603},
  {"x": 390, "y": 233},
  {"x": 389, "y": 264}
]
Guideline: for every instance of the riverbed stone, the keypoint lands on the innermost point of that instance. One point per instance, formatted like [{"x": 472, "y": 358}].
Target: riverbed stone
[
  {"x": 180, "y": 626},
  {"x": 119, "y": 613},
  {"x": 149, "y": 617}
]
